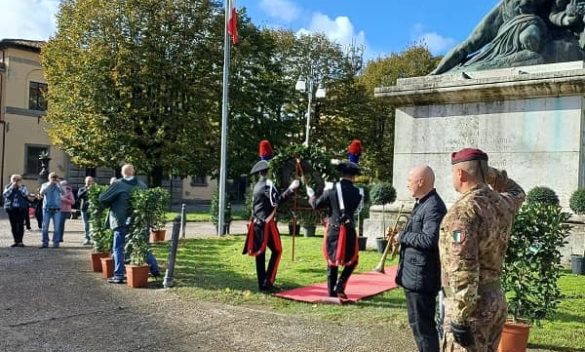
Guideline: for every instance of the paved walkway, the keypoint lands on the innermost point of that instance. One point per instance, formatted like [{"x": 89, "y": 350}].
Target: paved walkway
[{"x": 50, "y": 301}]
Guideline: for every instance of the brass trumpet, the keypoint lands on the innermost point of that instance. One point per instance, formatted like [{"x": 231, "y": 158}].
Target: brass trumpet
[{"x": 392, "y": 246}]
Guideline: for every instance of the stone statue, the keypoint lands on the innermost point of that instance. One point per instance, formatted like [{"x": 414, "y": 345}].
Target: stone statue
[{"x": 521, "y": 33}]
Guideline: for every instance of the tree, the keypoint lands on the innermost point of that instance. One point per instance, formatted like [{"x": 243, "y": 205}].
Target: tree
[
  {"x": 136, "y": 81},
  {"x": 379, "y": 123}
]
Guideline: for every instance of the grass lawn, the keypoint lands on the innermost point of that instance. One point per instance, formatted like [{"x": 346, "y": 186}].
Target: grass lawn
[
  {"x": 203, "y": 216},
  {"x": 215, "y": 270}
]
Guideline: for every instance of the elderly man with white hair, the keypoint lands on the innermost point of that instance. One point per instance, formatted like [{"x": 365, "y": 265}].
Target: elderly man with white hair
[{"x": 117, "y": 198}]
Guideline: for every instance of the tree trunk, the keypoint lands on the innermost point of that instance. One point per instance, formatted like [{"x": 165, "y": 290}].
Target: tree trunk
[{"x": 156, "y": 176}]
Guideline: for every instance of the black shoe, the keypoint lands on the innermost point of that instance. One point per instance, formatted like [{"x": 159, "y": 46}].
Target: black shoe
[
  {"x": 43, "y": 247},
  {"x": 155, "y": 275},
  {"x": 14, "y": 245},
  {"x": 20, "y": 244},
  {"x": 115, "y": 280},
  {"x": 340, "y": 290}
]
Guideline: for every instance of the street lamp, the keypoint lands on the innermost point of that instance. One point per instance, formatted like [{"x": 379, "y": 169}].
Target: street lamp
[{"x": 301, "y": 86}]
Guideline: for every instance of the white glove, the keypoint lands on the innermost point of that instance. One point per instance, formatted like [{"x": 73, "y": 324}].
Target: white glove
[
  {"x": 294, "y": 185},
  {"x": 310, "y": 192}
]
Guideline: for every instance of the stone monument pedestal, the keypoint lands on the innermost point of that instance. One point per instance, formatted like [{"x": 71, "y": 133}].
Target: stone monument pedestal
[{"x": 529, "y": 120}]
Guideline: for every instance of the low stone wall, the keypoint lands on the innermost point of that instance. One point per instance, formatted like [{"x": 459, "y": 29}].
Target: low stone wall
[{"x": 373, "y": 228}]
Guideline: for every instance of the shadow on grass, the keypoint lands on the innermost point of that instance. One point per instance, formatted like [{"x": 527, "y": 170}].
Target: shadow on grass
[{"x": 555, "y": 348}]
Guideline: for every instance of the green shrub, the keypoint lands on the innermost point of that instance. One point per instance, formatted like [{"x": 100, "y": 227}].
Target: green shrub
[
  {"x": 544, "y": 195},
  {"x": 146, "y": 214},
  {"x": 577, "y": 201},
  {"x": 214, "y": 208},
  {"x": 532, "y": 266},
  {"x": 99, "y": 230},
  {"x": 382, "y": 193}
]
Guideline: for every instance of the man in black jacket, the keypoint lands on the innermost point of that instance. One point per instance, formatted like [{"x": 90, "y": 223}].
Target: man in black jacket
[{"x": 419, "y": 268}]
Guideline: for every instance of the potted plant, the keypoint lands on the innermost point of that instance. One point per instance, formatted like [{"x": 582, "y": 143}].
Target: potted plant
[
  {"x": 99, "y": 230},
  {"x": 382, "y": 193},
  {"x": 577, "y": 205},
  {"x": 309, "y": 219},
  {"x": 363, "y": 213},
  {"x": 214, "y": 211},
  {"x": 144, "y": 202},
  {"x": 532, "y": 267},
  {"x": 159, "y": 199}
]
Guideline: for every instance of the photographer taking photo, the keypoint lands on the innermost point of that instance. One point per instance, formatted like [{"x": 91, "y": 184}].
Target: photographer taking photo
[{"x": 16, "y": 205}]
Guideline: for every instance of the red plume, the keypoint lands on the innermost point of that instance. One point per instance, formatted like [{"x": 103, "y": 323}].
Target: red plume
[
  {"x": 265, "y": 150},
  {"x": 355, "y": 147}
]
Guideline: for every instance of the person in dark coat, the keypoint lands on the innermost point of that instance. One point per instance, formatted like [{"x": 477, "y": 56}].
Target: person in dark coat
[
  {"x": 340, "y": 246},
  {"x": 262, "y": 230},
  {"x": 419, "y": 267}
]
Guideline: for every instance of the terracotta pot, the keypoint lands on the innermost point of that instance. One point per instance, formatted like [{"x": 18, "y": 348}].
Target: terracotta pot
[
  {"x": 514, "y": 337},
  {"x": 137, "y": 275},
  {"x": 107, "y": 267},
  {"x": 96, "y": 264},
  {"x": 157, "y": 235}
]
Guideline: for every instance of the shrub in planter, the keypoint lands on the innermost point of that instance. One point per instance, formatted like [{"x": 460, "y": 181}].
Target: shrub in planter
[
  {"x": 533, "y": 262},
  {"x": 541, "y": 194},
  {"x": 383, "y": 193},
  {"x": 577, "y": 205},
  {"x": 99, "y": 230},
  {"x": 146, "y": 205},
  {"x": 577, "y": 202},
  {"x": 156, "y": 212},
  {"x": 214, "y": 210}
]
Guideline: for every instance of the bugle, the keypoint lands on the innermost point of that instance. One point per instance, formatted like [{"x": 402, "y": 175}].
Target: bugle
[{"x": 391, "y": 245}]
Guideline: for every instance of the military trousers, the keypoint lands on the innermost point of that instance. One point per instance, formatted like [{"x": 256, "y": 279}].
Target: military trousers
[{"x": 486, "y": 323}]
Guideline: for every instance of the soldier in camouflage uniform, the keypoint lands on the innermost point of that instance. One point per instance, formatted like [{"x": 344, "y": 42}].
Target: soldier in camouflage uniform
[{"x": 473, "y": 242}]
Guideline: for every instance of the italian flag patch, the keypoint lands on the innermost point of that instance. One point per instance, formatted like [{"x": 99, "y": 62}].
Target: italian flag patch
[{"x": 458, "y": 236}]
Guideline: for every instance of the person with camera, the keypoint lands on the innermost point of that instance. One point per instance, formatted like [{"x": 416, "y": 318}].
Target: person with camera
[
  {"x": 16, "y": 205},
  {"x": 82, "y": 195},
  {"x": 51, "y": 192}
]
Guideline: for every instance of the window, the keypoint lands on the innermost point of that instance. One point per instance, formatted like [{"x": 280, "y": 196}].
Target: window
[
  {"x": 36, "y": 96},
  {"x": 32, "y": 162},
  {"x": 199, "y": 181}
]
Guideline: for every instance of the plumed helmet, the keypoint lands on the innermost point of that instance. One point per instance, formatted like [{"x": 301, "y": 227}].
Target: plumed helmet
[
  {"x": 351, "y": 167},
  {"x": 265, "y": 150}
]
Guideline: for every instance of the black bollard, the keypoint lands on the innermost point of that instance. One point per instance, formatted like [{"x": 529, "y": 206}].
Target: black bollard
[{"x": 168, "y": 281}]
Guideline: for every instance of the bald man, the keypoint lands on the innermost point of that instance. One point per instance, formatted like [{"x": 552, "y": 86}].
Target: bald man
[
  {"x": 117, "y": 198},
  {"x": 419, "y": 267}
]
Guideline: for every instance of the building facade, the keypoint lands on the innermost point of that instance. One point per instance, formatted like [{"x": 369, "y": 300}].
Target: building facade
[{"x": 23, "y": 135}]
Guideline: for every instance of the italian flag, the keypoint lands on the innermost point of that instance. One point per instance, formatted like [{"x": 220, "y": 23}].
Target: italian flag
[{"x": 233, "y": 22}]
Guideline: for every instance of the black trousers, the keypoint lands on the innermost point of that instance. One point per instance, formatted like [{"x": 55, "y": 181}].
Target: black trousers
[
  {"x": 16, "y": 217},
  {"x": 333, "y": 283},
  {"x": 266, "y": 277},
  {"x": 421, "y": 318},
  {"x": 27, "y": 219}
]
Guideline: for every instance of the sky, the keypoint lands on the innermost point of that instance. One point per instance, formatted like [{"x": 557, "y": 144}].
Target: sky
[{"x": 382, "y": 26}]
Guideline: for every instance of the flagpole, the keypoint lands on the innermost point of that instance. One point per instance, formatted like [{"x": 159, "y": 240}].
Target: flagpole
[{"x": 224, "y": 123}]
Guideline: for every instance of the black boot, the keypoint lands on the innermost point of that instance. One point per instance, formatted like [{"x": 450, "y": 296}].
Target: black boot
[
  {"x": 331, "y": 279},
  {"x": 340, "y": 285}
]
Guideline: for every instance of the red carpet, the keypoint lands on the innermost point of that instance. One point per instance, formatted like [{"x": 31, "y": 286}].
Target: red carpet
[{"x": 359, "y": 286}]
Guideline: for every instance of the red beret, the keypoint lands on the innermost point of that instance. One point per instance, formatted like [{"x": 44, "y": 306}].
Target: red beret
[{"x": 467, "y": 154}]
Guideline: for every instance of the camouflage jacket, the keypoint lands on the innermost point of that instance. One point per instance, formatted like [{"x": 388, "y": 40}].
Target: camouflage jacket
[{"x": 473, "y": 241}]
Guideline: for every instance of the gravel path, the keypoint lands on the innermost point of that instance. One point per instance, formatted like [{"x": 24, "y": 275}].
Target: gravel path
[{"x": 50, "y": 301}]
